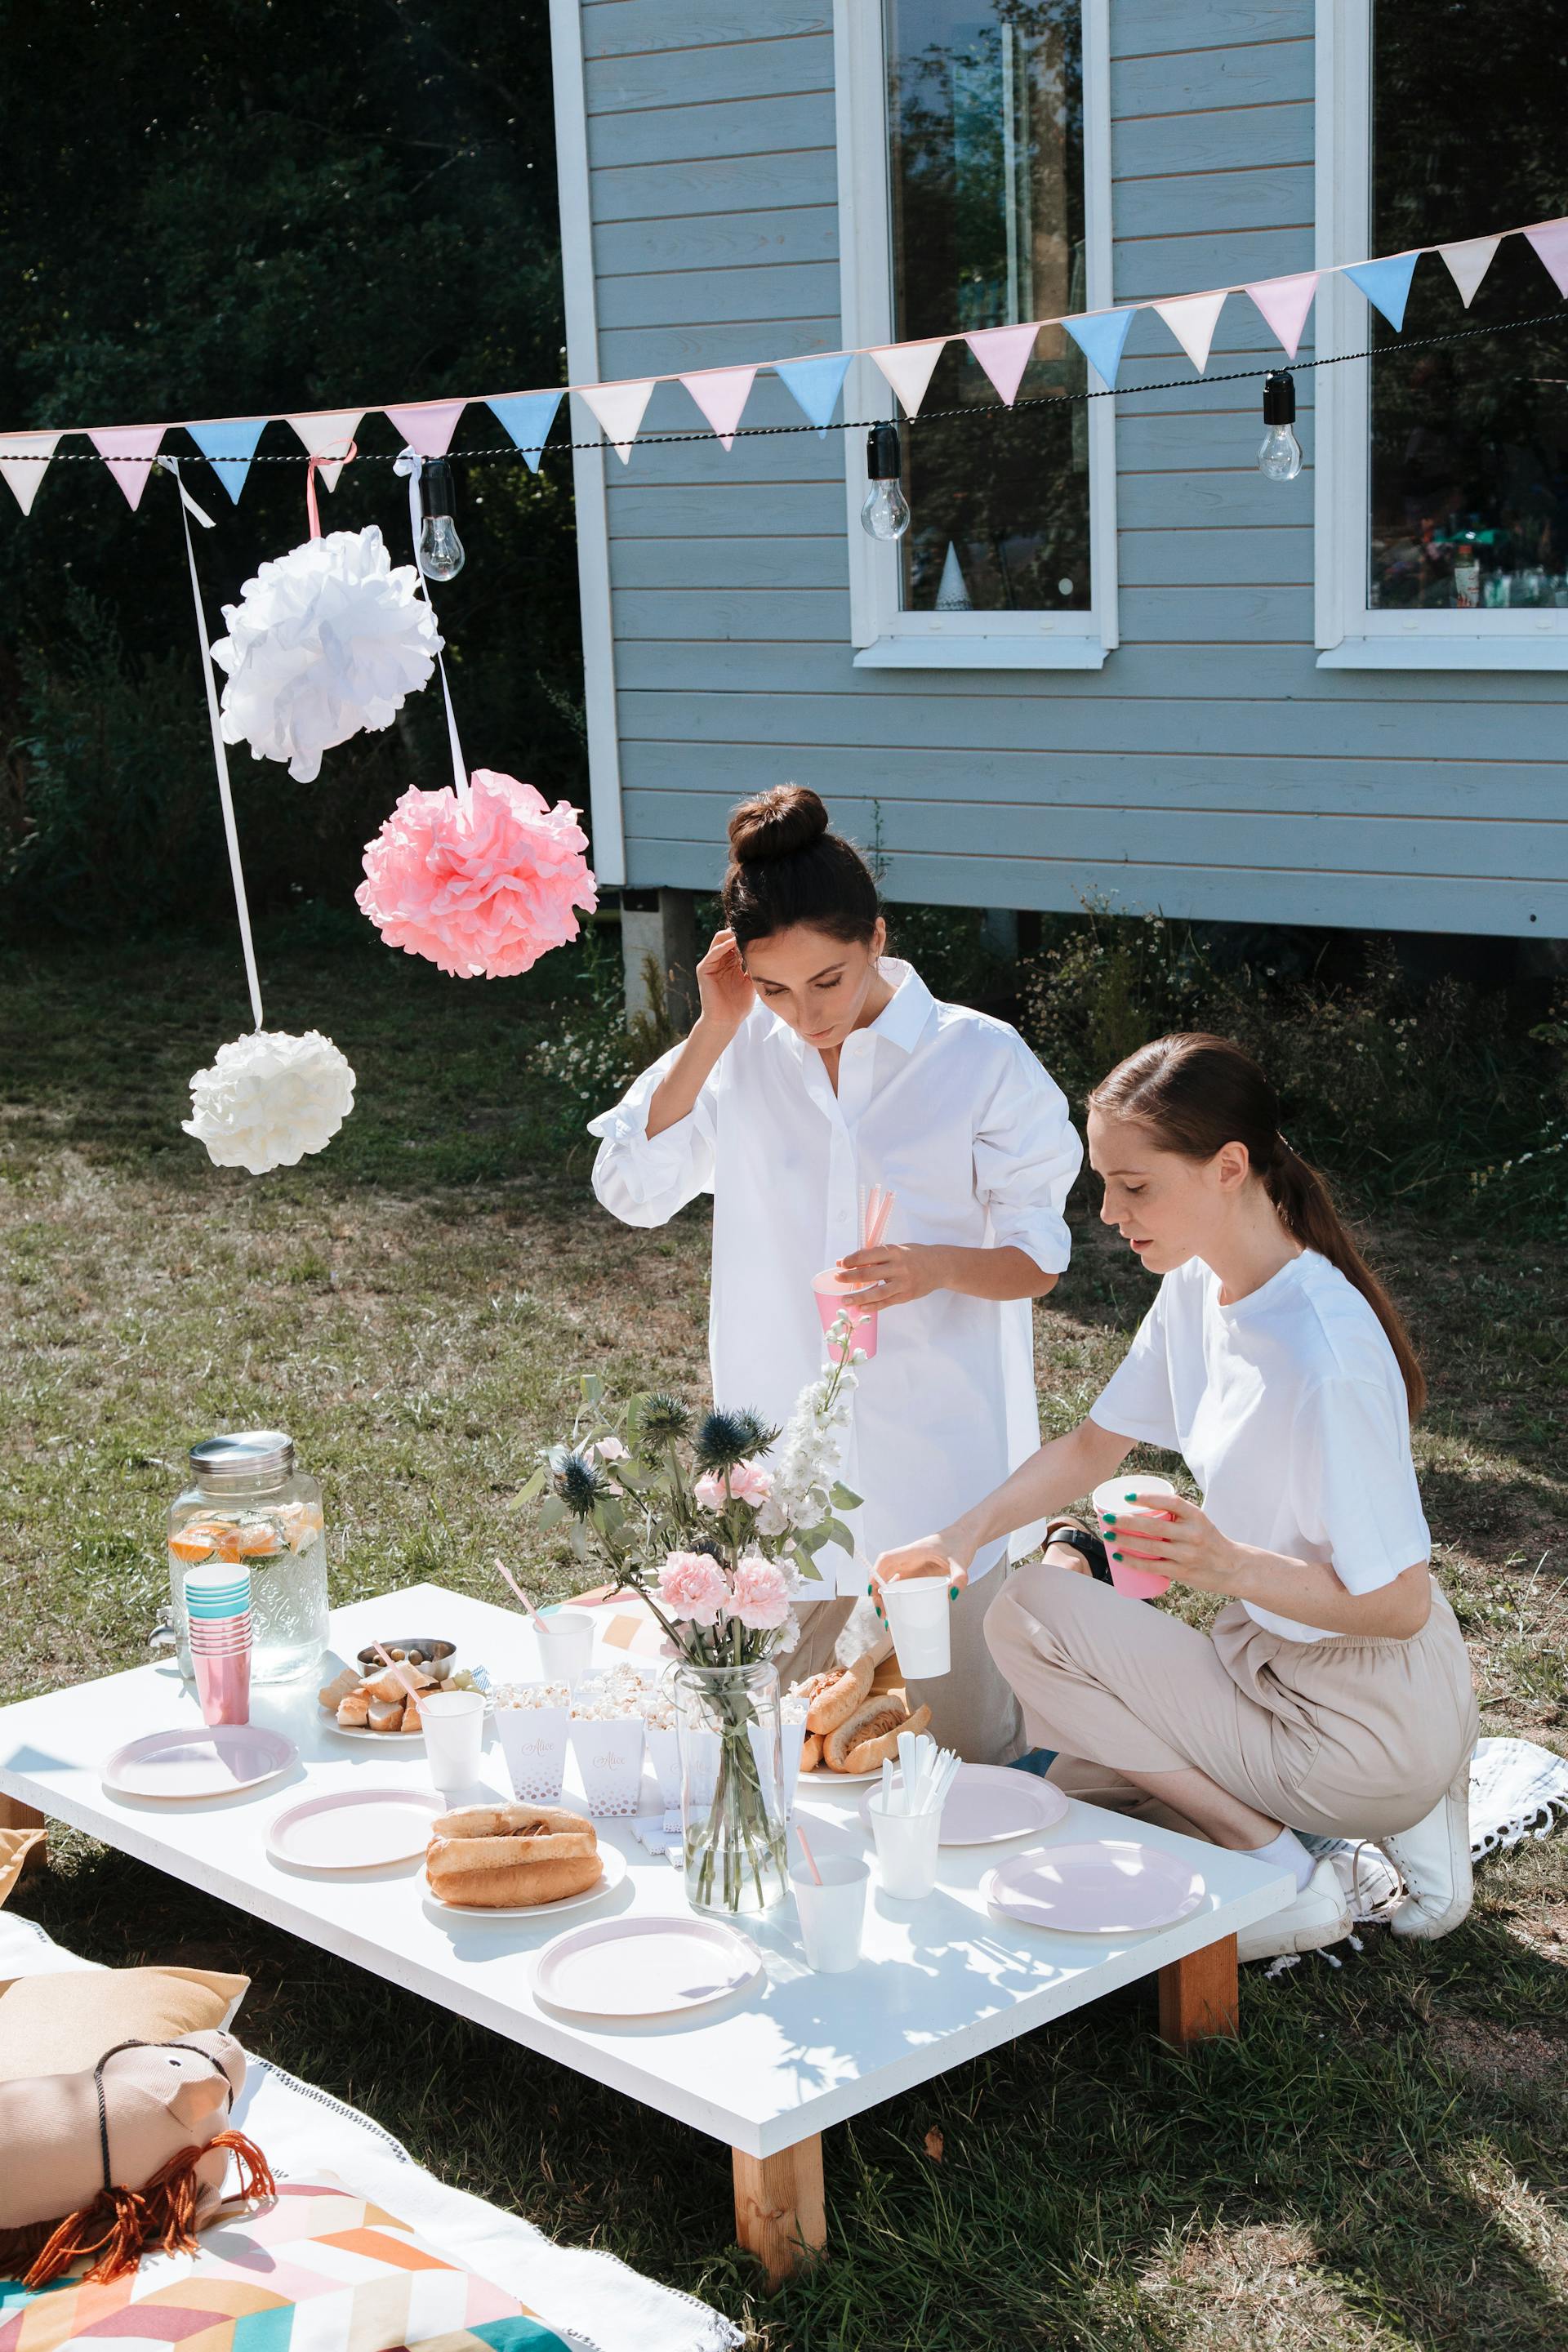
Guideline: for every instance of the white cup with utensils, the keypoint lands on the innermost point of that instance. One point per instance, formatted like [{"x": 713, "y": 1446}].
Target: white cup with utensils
[{"x": 906, "y": 1847}]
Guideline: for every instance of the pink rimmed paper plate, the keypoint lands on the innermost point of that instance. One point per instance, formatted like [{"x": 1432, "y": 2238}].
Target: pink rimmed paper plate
[
  {"x": 612, "y": 1873},
  {"x": 990, "y": 1803},
  {"x": 354, "y": 1829},
  {"x": 1111, "y": 1887},
  {"x": 200, "y": 1761},
  {"x": 645, "y": 1968}
]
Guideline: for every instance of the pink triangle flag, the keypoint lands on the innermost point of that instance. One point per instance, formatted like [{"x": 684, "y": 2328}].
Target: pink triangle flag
[
  {"x": 618, "y": 411},
  {"x": 24, "y": 462},
  {"x": 1004, "y": 352},
  {"x": 721, "y": 393},
  {"x": 136, "y": 442},
  {"x": 1284, "y": 303},
  {"x": 908, "y": 368},
  {"x": 1192, "y": 318},
  {"x": 328, "y": 428},
  {"x": 1468, "y": 264},
  {"x": 428, "y": 426},
  {"x": 1551, "y": 243}
]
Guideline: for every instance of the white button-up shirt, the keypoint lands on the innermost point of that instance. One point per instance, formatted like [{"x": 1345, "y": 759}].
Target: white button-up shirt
[{"x": 951, "y": 1109}]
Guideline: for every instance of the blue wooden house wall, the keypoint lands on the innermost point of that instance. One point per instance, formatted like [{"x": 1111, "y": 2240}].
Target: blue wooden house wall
[{"x": 1210, "y": 768}]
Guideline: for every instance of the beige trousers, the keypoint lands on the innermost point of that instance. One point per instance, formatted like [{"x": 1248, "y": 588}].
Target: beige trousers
[
  {"x": 1345, "y": 1738},
  {"x": 973, "y": 1710}
]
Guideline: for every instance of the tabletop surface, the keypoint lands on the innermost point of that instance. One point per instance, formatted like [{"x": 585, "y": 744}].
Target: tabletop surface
[{"x": 939, "y": 1980}]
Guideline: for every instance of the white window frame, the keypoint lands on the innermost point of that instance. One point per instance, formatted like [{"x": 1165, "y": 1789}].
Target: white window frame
[
  {"x": 1351, "y": 632},
  {"x": 886, "y": 636}
]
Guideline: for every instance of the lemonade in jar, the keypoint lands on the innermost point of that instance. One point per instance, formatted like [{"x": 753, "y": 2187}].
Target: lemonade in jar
[{"x": 249, "y": 1504}]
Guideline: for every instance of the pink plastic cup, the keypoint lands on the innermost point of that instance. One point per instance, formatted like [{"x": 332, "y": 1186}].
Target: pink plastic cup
[
  {"x": 1116, "y": 1496},
  {"x": 223, "y": 1684},
  {"x": 831, "y": 1288}
]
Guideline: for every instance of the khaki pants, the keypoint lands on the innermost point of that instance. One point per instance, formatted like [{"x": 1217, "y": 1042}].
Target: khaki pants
[
  {"x": 1345, "y": 1738},
  {"x": 973, "y": 1711}
]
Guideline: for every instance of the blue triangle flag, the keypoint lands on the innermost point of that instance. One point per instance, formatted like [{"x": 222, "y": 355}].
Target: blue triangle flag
[
  {"x": 1386, "y": 284},
  {"x": 1099, "y": 336},
  {"x": 815, "y": 384},
  {"x": 528, "y": 418},
  {"x": 229, "y": 448}
]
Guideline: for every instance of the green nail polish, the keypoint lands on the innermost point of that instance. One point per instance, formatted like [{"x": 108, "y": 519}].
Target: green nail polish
[
  {"x": 953, "y": 1591},
  {"x": 1109, "y": 1518},
  {"x": 1116, "y": 1555},
  {"x": 868, "y": 1591},
  {"x": 1129, "y": 1498}
]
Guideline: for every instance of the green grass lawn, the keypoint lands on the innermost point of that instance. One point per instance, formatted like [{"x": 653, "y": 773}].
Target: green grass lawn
[{"x": 1380, "y": 2161}]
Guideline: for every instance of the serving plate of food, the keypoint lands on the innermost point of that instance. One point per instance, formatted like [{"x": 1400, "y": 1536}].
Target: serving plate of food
[
  {"x": 850, "y": 1730},
  {"x": 373, "y": 1701},
  {"x": 510, "y": 1861}
]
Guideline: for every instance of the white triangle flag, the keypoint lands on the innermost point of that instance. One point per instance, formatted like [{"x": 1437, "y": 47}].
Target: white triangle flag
[
  {"x": 1192, "y": 318},
  {"x": 1468, "y": 263},
  {"x": 618, "y": 411},
  {"x": 24, "y": 462},
  {"x": 333, "y": 428},
  {"x": 908, "y": 368}
]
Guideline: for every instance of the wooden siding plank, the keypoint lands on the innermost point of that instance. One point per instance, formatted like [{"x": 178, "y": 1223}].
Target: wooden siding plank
[
  {"x": 677, "y": 134},
  {"x": 649, "y": 192},
  {"x": 769, "y": 562},
  {"x": 725, "y": 510},
  {"x": 1163, "y": 441},
  {"x": 629, "y": 26},
  {"x": 723, "y": 240},
  {"x": 1280, "y": 196},
  {"x": 1203, "y": 81},
  {"x": 1148, "y": 269},
  {"x": 806, "y": 614},
  {"x": 1163, "y": 500},
  {"x": 720, "y": 73},
  {"x": 1246, "y": 136},
  {"x": 1174, "y": 558},
  {"x": 718, "y": 297},
  {"x": 669, "y": 350},
  {"x": 1154, "y": 29},
  {"x": 703, "y": 464},
  {"x": 815, "y": 558}
]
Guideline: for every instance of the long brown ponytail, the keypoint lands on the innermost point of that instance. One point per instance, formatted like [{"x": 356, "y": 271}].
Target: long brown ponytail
[{"x": 1198, "y": 1094}]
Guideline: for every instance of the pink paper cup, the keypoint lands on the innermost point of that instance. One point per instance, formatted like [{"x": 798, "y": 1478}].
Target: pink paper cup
[
  {"x": 830, "y": 1289},
  {"x": 223, "y": 1686},
  {"x": 1111, "y": 1495}
]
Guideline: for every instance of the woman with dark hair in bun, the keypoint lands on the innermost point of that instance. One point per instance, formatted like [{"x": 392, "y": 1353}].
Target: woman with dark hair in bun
[{"x": 820, "y": 1066}]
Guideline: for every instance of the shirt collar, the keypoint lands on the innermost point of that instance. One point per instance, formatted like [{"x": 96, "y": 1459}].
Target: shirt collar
[{"x": 903, "y": 1022}]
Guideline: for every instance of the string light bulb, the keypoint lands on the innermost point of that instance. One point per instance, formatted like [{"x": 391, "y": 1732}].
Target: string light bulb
[
  {"x": 885, "y": 512},
  {"x": 1279, "y": 452},
  {"x": 441, "y": 555}
]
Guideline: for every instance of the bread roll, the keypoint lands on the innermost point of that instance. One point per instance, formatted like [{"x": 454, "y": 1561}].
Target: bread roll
[
  {"x": 386, "y": 1714},
  {"x": 833, "y": 1698},
  {"x": 810, "y": 1753},
  {"x": 519, "y": 1884},
  {"x": 332, "y": 1694},
  {"x": 353, "y": 1712},
  {"x": 870, "y": 1736}
]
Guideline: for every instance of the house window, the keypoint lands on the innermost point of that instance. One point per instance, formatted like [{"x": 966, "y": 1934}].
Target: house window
[{"x": 984, "y": 114}]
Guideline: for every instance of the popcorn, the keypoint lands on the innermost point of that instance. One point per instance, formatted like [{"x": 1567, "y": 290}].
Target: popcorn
[
  {"x": 607, "y": 1696},
  {"x": 532, "y": 1694},
  {"x": 792, "y": 1706},
  {"x": 658, "y": 1709}
]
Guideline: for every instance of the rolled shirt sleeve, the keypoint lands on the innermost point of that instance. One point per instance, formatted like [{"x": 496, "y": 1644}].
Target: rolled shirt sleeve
[
  {"x": 643, "y": 1179},
  {"x": 1353, "y": 1483},
  {"x": 1137, "y": 1401},
  {"x": 1026, "y": 1154}
]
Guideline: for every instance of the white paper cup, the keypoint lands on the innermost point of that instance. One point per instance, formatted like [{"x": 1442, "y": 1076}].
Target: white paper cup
[
  {"x": 454, "y": 1734},
  {"x": 566, "y": 1639},
  {"x": 533, "y": 1742},
  {"x": 832, "y": 1916},
  {"x": 609, "y": 1756},
  {"x": 906, "y": 1850},
  {"x": 920, "y": 1618}
]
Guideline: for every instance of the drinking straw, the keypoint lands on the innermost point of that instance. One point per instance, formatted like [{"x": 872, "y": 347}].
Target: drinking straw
[
  {"x": 539, "y": 1622},
  {"x": 388, "y": 1660},
  {"x": 881, "y": 1210},
  {"x": 810, "y": 1857}
]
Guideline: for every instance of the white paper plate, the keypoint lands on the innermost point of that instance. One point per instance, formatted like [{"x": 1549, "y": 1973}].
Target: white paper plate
[
  {"x": 988, "y": 1804},
  {"x": 364, "y": 1731},
  {"x": 200, "y": 1760},
  {"x": 1110, "y": 1887},
  {"x": 614, "y": 1870},
  {"x": 645, "y": 1968},
  {"x": 354, "y": 1829},
  {"x": 831, "y": 1780}
]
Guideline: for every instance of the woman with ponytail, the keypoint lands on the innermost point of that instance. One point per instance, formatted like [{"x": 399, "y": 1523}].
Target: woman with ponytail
[
  {"x": 1334, "y": 1695},
  {"x": 818, "y": 1066}
]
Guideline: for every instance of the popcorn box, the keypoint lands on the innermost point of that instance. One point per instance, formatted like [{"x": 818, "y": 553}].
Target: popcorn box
[
  {"x": 664, "y": 1755},
  {"x": 533, "y": 1742},
  {"x": 791, "y": 1740},
  {"x": 609, "y": 1753}
]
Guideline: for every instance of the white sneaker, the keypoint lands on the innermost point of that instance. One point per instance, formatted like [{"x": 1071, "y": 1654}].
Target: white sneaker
[
  {"x": 1372, "y": 1886},
  {"x": 1319, "y": 1916},
  {"x": 1434, "y": 1860}
]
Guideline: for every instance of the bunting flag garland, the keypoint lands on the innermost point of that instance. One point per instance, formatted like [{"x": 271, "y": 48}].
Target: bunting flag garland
[
  {"x": 815, "y": 381},
  {"x": 1283, "y": 304},
  {"x": 1468, "y": 264}
]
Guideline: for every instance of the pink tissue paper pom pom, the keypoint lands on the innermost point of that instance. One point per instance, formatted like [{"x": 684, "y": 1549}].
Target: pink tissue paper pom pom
[
  {"x": 761, "y": 1594},
  {"x": 693, "y": 1586},
  {"x": 482, "y": 891},
  {"x": 747, "y": 1484}
]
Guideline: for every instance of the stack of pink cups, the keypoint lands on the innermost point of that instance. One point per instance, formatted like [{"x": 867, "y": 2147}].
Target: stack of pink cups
[{"x": 218, "y": 1606}]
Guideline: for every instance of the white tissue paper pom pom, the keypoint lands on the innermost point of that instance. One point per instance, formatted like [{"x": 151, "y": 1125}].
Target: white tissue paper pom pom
[
  {"x": 269, "y": 1099},
  {"x": 324, "y": 641}
]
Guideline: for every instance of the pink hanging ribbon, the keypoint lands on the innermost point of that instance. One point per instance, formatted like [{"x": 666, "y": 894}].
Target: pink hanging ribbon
[{"x": 323, "y": 458}]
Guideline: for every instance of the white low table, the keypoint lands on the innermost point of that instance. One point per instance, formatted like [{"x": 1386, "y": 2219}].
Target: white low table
[{"x": 940, "y": 1980}]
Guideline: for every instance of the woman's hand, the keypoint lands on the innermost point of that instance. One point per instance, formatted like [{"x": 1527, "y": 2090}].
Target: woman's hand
[
  {"x": 723, "y": 986},
  {"x": 895, "y": 1272},
  {"x": 1179, "y": 1542},
  {"x": 939, "y": 1555}
]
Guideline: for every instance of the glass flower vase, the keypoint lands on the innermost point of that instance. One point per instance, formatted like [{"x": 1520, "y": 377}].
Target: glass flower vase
[{"x": 732, "y": 1809}]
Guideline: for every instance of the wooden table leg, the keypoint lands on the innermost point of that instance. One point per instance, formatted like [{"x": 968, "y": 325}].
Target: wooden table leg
[
  {"x": 15, "y": 1815},
  {"x": 1199, "y": 1996},
  {"x": 780, "y": 2214}
]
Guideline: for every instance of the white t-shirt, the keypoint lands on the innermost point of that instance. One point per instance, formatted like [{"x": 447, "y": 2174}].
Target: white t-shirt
[{"x": 1289, "y": 1410}]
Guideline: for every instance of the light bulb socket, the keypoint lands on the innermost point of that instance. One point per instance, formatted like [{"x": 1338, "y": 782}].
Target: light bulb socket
[
  {"x": 436, "y": 487},
  {"x": 1280, "y": 397},
  {"x": 884, "y": 459}
]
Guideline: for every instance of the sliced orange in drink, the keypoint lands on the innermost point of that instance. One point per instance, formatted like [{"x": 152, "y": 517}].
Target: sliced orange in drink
[
  {"x": 193, "y": 1543},
  {"x": 259, "y": 1541}
]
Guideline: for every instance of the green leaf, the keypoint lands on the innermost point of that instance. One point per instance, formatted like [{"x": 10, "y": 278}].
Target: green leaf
[
  {"x": 844, "y": 1497},
  {"x": 593, "y": 1387},
  {"x": 551, "y": 1511},
  {"x": 535, "y": 1486},
  {"x": 839, "y": 1534},
  {"x": 577, "y": 1537}
]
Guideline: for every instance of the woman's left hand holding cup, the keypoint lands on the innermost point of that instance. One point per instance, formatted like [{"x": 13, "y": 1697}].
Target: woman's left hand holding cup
[{"x": 1179, "y": 1541}]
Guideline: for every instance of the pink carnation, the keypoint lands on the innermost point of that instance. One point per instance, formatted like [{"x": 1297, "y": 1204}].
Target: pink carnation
[
  {"x": 486, "y": 890},
  {"x": 747, "y": 1484},
  {"x": 761, "y": 1594},
  {"x": 693, "y": 1586}
]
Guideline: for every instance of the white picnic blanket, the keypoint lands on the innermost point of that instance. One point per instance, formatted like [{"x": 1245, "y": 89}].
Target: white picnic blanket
[{"x": 1517, "y": 1790}]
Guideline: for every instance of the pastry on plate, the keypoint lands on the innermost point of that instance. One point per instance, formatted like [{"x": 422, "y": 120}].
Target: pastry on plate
[
  {"x": 505, "y": 1858},
  {"x": 832, "y": 1697}
]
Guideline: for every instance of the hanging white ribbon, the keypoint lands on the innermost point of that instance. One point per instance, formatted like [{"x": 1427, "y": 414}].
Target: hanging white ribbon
[
  {"x": 411, "y": 463},
  {"x": 188, "y": 507}
]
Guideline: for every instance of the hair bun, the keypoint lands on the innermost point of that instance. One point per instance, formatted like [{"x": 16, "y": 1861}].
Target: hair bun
[{"x": 776, "y": 823}]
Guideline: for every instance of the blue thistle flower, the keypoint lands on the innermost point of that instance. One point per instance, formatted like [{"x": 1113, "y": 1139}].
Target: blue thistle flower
[
  {"x": 581, "y": 1484},
  {"x": 725, "y": 1439},
  {"x": 663, "y": 1420}
]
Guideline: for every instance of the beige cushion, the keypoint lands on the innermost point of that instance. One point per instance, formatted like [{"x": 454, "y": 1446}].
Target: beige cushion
[{"x": 63, "y": 2024}]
